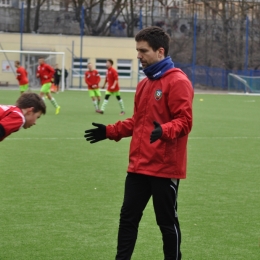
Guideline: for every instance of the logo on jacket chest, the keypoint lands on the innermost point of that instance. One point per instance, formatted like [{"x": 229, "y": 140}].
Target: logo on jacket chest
[{"x": 158, "y": 94}]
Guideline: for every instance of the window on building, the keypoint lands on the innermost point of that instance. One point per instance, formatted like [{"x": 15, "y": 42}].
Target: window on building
[
  {"x": 101, "y": 67},
  {"x": 76, "y": 67},
  {"x": 5, "y": 3},
  {"x": 124, "y": 68}
]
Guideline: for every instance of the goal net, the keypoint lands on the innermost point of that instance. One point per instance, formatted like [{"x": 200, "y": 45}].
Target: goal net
[
  {"x": 29, "y": 60},
  {"x": 243, "y": 84}
]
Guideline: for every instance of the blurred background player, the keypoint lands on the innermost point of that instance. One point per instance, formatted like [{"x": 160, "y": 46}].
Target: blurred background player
[
  {"x": 66, "y": 74},
  {"x": 92, "y": 79},
  {"x": 112, "y": 88},
  {"x": 45, "y": 73},
  {"x": 57, "y": 77},
  {"x": 21, "y": 76},
  {"x": 28, "y": 108}
]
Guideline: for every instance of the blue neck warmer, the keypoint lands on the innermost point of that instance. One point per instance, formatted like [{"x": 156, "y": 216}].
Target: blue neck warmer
[{"x": 155, "y": 71}]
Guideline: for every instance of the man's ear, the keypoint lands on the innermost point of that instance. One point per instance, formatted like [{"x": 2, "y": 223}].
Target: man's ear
[
  {"x": 161, "y": 52},
  {"x": 28, "y": 110}
]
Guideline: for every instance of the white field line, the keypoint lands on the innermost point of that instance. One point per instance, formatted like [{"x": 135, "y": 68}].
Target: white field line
[{"x": 82, "y": 138}]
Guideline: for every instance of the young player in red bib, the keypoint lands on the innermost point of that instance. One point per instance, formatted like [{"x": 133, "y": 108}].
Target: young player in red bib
[
  {"x": 21, "y": 76},
  {"x": 45, "y": 73},
  {"x": 92, "y": 79},
  {"x": 112, "y": 88},
  {"x": 28, "y": 108}
]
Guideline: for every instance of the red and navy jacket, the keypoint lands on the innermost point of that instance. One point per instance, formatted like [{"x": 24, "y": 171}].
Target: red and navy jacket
[{"x": 168, "y": 101}]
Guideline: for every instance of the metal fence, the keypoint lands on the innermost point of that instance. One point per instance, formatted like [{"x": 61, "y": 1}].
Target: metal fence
[{"x": 212, "y": 78}]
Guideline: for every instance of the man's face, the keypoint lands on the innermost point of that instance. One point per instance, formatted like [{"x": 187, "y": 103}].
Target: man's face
[
  {"x": 31, "y": 117},
  {"x": 16, "y": 65},
  {"x": 108, "y": 65},
  {"x": 147, "y": 55},
  {"x": 41, "y": 61}
]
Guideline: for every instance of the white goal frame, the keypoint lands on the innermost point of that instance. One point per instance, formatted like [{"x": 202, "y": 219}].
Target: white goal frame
[
  {"x": 242, "y": 80},
  {"x": 47, "y": 53}
]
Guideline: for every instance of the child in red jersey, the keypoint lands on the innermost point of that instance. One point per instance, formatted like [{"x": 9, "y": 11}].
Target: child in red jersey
[
  {"x": 21, "y": 76},
  {"x": 45, "y": 72},
  {"x": 28, "y": 108},
  {"x": 92, "y": 79},
  {"x": 112, "y": 88}
]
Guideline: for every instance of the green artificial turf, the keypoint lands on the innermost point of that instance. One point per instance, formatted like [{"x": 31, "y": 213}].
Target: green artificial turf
[{"x": 60, "y": 197}]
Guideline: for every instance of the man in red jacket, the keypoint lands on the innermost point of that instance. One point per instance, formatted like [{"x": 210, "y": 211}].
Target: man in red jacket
[
  {"x": 45, "y": 72},
  {"x": 159, "y": 127},
  {"x": 28, "y": 108},
  {"x": 21, "y": 76},
  {"x": 92, "y": 79},
  {"x": 112, "y": 88}
]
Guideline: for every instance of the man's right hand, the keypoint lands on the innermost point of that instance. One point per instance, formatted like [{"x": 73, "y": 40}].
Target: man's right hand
[{"x": 96, "y": 134}]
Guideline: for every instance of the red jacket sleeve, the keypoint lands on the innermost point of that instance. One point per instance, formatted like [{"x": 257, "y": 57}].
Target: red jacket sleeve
[
  {"x": 121, "y": 129},
  {"x": 180, "y": 104},
  {"x": 51, "y": 71}
]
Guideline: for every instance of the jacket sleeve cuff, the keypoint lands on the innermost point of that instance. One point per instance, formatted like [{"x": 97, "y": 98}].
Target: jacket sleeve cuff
[
  {"x": 164, "y": 133},
  {"x": 111, "y": 133}
]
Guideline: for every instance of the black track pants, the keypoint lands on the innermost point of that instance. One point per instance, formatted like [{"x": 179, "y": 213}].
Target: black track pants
[{"x": 138, "y": 190}]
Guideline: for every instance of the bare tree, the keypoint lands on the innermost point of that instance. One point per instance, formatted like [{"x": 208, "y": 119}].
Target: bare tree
[
  {"x": 28, "y": 16},
  {"x": 130, "y": 16},
  {"x": 96, "y": 21},
  {"x": 221, "y": 34},
  {"x": 167, "y": 4},
  {"x": 37, "y": 14},
  {"x": 233, "y": 17},
  {"x": 66, "y": 4}
]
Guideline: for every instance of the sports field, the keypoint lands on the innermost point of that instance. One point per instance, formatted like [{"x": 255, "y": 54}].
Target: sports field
[{"x": 60, "y": 196}]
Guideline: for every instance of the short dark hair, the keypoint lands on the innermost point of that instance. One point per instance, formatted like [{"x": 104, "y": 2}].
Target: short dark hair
[
  {"x": 17, "y": 62},
  {"x": 111, "y": 61},
  {"x": 27, "y": 100},
  {"x": 156, "y": 37}
]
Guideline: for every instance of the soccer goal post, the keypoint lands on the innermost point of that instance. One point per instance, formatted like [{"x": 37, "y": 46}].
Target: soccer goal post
[
  {"x": 29, "y": 60},
  {"x": 243, "y": 84}
]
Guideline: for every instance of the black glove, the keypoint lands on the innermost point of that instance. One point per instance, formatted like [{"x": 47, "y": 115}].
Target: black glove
[
  {"x": 96, "y": 134},
  {"x": 156, "y": 133}
]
